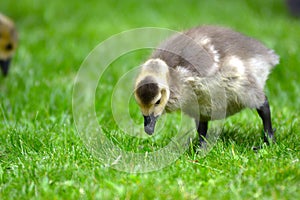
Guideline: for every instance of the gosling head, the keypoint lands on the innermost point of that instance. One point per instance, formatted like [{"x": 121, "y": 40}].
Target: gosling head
[
  {"x": 152, "y": 92},
  {"x": 8, "y": 42}
]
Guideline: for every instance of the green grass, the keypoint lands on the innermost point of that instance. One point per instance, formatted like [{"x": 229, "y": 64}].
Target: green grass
[{"x": 42, "y": 155}]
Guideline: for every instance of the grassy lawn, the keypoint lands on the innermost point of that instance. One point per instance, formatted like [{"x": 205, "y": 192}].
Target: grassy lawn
[{"x": 43, "y": 157}]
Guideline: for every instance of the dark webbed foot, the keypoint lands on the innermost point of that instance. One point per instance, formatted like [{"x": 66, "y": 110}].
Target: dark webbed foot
[
  {"x": 265, "y": 114},
  {"x": 202, "y": 130}
]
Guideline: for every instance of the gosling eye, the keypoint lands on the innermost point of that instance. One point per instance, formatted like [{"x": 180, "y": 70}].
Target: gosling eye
[{"x": 158, "y": 102}]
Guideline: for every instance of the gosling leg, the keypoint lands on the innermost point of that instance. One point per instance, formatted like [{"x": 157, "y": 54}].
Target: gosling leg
[
  {"x": 202, "y": 130},
  {"x": 265, "y": 114}
]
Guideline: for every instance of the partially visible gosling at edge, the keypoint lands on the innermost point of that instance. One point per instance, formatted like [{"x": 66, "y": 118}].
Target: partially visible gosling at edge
[
  {"x": 200, "y": 60},
  {"x": 8, "y": 42}
]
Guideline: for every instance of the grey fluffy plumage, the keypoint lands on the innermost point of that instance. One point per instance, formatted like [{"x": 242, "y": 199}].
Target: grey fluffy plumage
[{"x": 223, "y": 69}]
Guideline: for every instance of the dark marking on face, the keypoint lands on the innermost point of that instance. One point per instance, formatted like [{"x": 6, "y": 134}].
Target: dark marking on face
[
  {"x": 147, "y": 90},
  {"x": 9, "y": 47}
]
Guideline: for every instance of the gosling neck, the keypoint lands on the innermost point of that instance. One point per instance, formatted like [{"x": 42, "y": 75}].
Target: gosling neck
[{"x": 176, "y": 83}]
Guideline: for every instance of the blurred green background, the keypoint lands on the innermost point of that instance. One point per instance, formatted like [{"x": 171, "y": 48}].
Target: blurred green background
[{"x": 41, "y": 155}]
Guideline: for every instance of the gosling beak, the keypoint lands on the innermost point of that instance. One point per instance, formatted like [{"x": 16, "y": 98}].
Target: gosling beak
[
  {"x": 4, "y": 64},
  {"x": 149, "y": 124}
]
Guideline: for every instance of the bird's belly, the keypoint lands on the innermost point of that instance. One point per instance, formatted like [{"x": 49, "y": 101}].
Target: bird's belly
[{"x": 214, "y": 110}]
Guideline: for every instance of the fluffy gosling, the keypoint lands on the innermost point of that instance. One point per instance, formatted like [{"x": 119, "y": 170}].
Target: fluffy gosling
[
  {"x": 8, "y": 42},
  {"x": 204, "y": 59}
]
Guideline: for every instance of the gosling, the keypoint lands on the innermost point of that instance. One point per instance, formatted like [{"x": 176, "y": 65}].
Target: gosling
[
  {"x": 8, "y": 42},
  {"x": 198, "y": 63}
]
